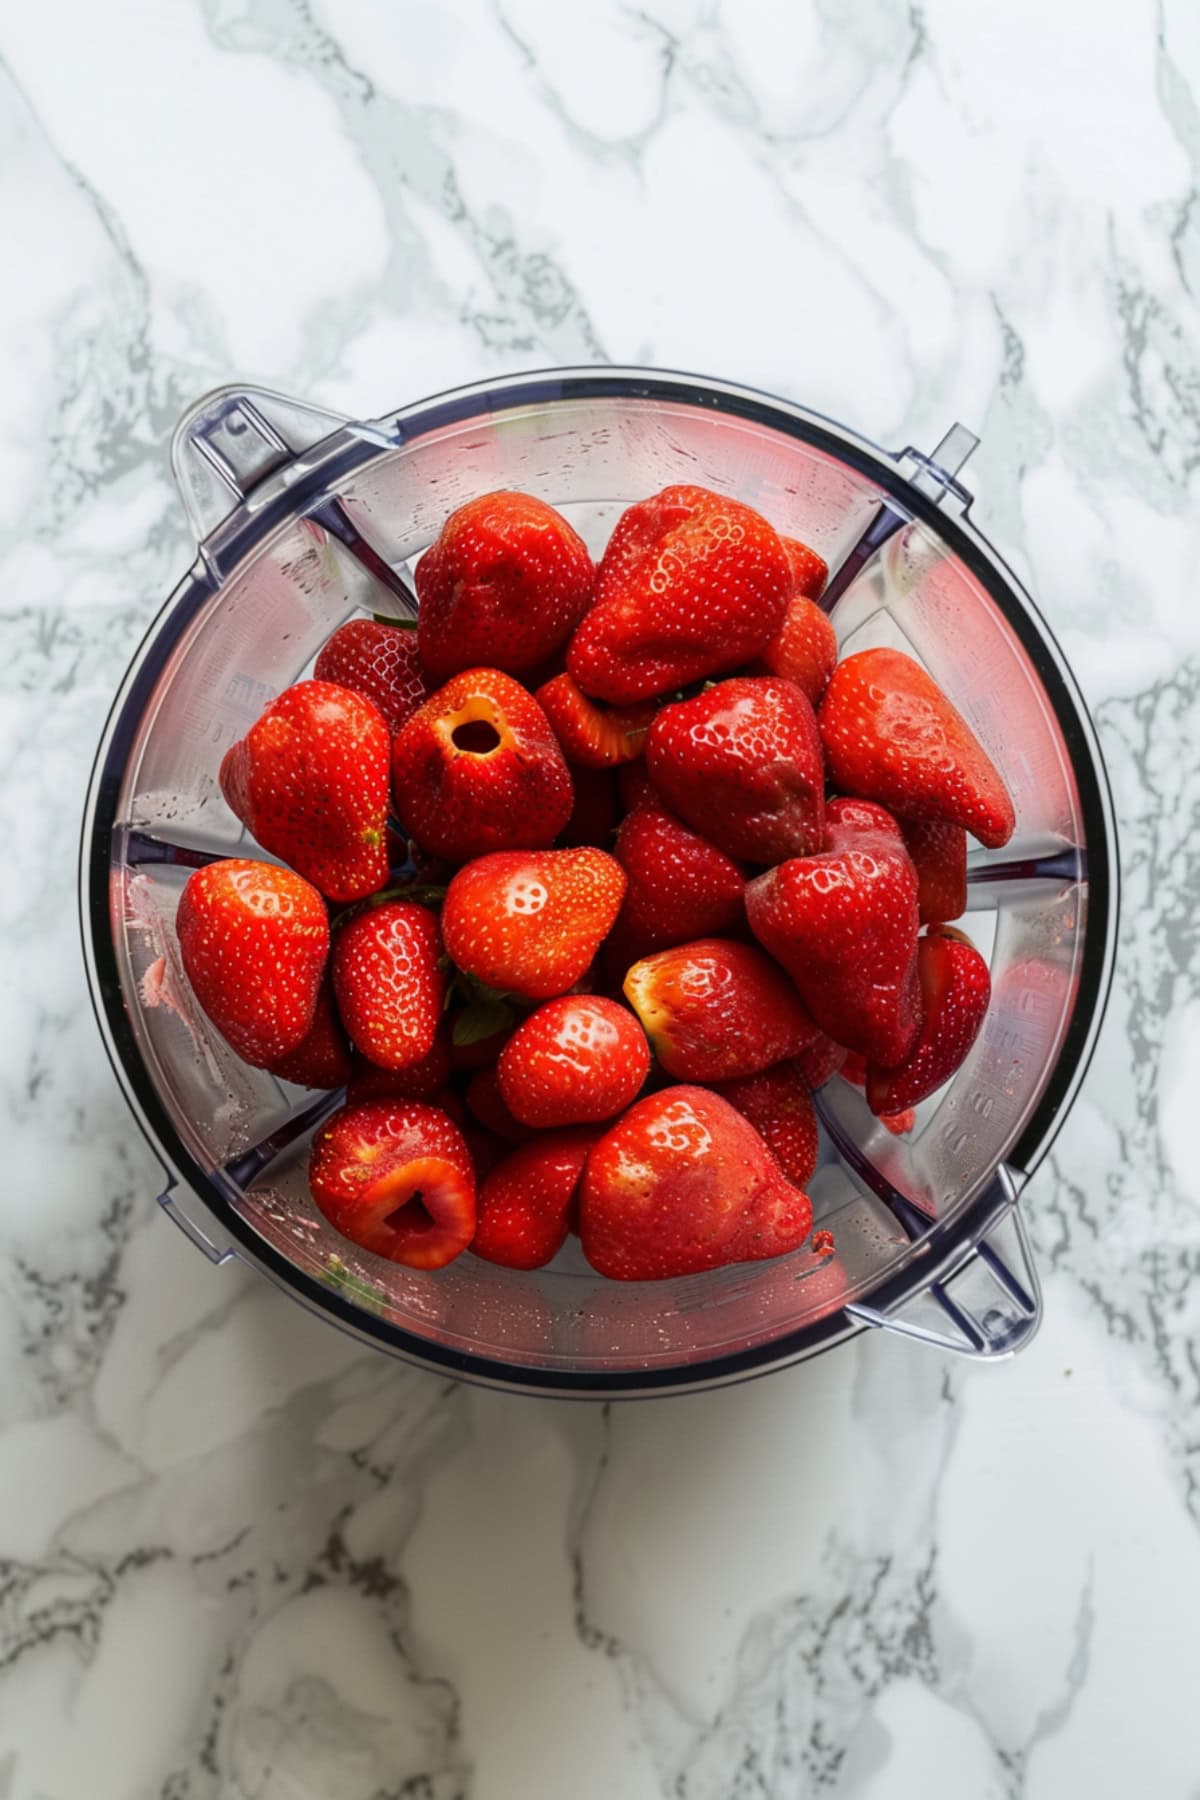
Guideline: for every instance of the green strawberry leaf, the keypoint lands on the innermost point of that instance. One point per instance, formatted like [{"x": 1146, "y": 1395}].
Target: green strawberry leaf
[
  {"x": 481, "y": 1019},
  {"x": 400, "y": 621},
  {"x": 344, "y": 1281},
  {"x": 423, "y": 893},
  {"x": 482, "y": 991}
]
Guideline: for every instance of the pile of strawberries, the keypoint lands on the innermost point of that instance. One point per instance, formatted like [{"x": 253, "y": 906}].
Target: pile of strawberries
[{"x": 593, "y": 877}]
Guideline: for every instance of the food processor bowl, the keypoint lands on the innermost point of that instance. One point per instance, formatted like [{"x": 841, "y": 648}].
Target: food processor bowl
[{"x": 304, "y": 519}]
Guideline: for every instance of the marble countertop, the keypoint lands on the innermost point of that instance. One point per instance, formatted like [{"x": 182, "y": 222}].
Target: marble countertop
[{"x": 238, "y": 1555}]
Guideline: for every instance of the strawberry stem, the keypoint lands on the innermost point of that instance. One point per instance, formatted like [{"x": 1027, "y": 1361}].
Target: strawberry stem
[{"x": 422, "y": 893}]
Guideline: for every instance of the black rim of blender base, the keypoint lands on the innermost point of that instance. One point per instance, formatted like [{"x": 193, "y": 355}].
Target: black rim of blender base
[{"x": 240, "y": 535}]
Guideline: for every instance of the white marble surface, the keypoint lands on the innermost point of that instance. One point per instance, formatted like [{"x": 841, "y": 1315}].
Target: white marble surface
[{"x": 240, "y": 1557}]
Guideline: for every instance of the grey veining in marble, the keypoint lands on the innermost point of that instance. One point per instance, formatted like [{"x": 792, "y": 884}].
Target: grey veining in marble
[{"x": 240, "y": 1557}]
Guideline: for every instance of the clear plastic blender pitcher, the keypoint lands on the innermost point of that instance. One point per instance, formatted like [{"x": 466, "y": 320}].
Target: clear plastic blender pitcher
[{"x": 304, "y": 519}]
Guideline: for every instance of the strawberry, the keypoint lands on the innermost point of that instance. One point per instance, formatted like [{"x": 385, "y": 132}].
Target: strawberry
[
  {"x": 890, "y": 734},
  {"x": 901, "y": 1123},
  {"x": 453, "y": 1105},
  {"x": 955, "y": 990},
  {"x": 809, "y": 569},
  {"x": 573, "y": 1061},
  {"x": 595, "y": 812},
  {"x": 779, "y": 1106},
  {"x": 378, "y": 661},
  {"x": 692, "y": 584},
  {"x": 419, "y": 1080},
  {"x": 530, "y": 922},
  {"x": 322, "y": 1058},
  {"x": 491, "y": 1109},
  {"x": 684, "y": 1183},
  {"x": 742, "y": 763},
  {"x": 525, "y": 1201},
  {"x": 477, "y": 768},
  {"x": 486, "y": 1148},
  {"x": 254, "y": 941},
  {"x": 854, "y": 1069},
  {"x": 804, "y": 650},
  {"x": 506, "y": 583},
  {"x": 395, "y": 1177},
  {"x": 846, "y": 818},
  {"x": 715, "y": 1009},
  {"x": 388, "y": 984},
  {"x": 939, "y": 853},
  {"x": 634, "y": 785},
  {"x": 680, "y": 885},
  {"x": 310, "y": 781},
  {"x": 593, "y": 736},
  {"x": 820, "y": 1062},
  {"x": 844, "y": 925}
]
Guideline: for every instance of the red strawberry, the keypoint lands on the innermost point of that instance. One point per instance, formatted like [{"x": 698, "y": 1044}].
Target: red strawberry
[
  {"x": 486, "y": 1148},
  {"x": 844, "y": 817},
  {"x": 506, "y": 583},
  {"x": 454, "y": 1106},
  {"x": 854, "y": 1069},
  {"x": 416, "y": 1081},
  {"x": 901, "y": 1123},
  {"x": 595, "y": 812},
  {"x": 634, "y": 785},
  {"x": 477, "y": 768},
  {"x": 492, "y": 1110},
  {"x": 844, "y": 925},
  {"x": 891, "y": 735},
  {"x": 692, "y": 583},
  {"x": 742, "y": 763},
  {"x": 322, "y": 1059},
  {"x": 715, "y": 1009},
  {"x": 254, "y": 940},
  {"x": 593, "y": 736},
  {"x": 395, "y": 1177},
  {"x": 530, "y": 922},
  {"x": 388, "y": 984},
  {"x": 310, "y": 780},
  {"x": 809, "y": 569},
  {"x": 779, "y": 1106},
  {"x": 683, "y": 1183},
  {"x": 804, "y": 650},
  {"x": 820, "y": 1062},
  {"x": 525, "y": 1201},
  {"x": 680, "y": 885},
  {"x": 955, "y": 990},
  {"x": 573, "y": 1061},
  {"x": 378, "y": 661},
  {"x": 939, "y": 853}
]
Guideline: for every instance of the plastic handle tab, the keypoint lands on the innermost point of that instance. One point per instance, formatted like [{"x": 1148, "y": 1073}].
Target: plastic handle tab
[
  {"x": 936, "y": 475},
  {"x": 989, "y": 1304},
  {"x": 231, "y": 440},
  {"x": 216, "y": 1253}
]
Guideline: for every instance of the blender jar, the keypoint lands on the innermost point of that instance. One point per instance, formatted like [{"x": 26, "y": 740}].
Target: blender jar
[{"x": 304, "y": 519}]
